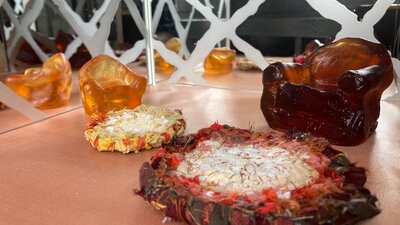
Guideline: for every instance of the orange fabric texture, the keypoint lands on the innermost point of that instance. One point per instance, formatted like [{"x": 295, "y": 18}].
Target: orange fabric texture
[{"x": 50, "y": 175}]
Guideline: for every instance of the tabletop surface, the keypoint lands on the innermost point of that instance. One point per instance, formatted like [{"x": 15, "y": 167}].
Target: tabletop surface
[{"x": 49, "y": 174}]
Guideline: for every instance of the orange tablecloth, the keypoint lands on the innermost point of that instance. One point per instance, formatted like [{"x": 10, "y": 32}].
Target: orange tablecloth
[{"x": 50, "y": 175}]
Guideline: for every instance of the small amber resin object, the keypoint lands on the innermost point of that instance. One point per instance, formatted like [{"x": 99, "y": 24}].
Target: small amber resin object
[
  {"x": 163, "y": 66},
  {"x": 106, "y": 84},
  {"x": 46, "y": 87},
  {"x": 335, "y": 93},
  {"x": 219, "y": 61}
]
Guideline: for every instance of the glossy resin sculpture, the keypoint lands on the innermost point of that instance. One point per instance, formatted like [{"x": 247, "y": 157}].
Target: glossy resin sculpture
[
  {"x": 335, "y": 93},
  {"x": 107, "y": 84},
  {"x": 80, "y": 57},
  {"x": 45, "y": 87},
  {"x": 219, "y": 61}
]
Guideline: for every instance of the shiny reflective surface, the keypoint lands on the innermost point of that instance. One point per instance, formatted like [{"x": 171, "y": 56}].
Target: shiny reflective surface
[
  {"x": 335, "y": 94},
  {"x": 219, "y": 61},
  {"x": 61, "y": 175},
  {"x": 106, "y": 84},
  {"x": 312, "y": 46},
  {"x": 46, "y": 87}
]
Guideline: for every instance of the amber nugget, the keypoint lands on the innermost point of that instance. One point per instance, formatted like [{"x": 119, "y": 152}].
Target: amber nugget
[
  {"x": 106, "y": 84},
  {"x": 46, "y": 87}
]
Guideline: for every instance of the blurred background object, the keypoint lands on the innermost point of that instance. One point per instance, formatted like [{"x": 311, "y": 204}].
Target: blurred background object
[
  {"x": 33, "y": 30},
  {"x": 44, "y": 87},
  {"x": 279, "y": 28},
  {"x": 106, "y": 84},
  {"x": 387, "y": 29}
]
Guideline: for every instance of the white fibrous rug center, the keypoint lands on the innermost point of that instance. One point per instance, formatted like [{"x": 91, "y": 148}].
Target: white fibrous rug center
[
  {"x": 137, "y": 122},
  {"x": 246, "y": 169}
]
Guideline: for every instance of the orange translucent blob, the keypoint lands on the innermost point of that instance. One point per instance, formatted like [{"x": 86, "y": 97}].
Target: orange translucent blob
[
  {"x": 46, "y": 87},
  {"x": 219, "y": 61},
  {"x": 163, "y": 66},
  {"x": 335, "y": 94},
  {"x": 173, "y": 44},
  {"x": 106, "y": 84}
]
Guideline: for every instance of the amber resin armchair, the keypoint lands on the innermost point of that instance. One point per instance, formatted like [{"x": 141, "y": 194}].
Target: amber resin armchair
[
  {"x": 44, "y": 87},
  {"x": 334, "y": 94}
]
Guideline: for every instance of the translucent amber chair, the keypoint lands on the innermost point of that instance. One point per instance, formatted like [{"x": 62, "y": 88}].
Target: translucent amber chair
[
  {"x": 106, "y": 84},
  {"x": 219, "y": 61},
  {"x": 163, "y": 66},
  {"x": 45, "y": 87},
  {"x": 335, "y": 93}
]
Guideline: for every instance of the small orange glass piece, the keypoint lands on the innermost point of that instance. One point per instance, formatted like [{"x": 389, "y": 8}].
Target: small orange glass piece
[
  {"x": 106, "y": 84},
  {"x": 46, "y": 87},
  {"x": 163, "y": 66},
  {"x": 330, "y": 62},
  {"x": 219, "y": 61}
]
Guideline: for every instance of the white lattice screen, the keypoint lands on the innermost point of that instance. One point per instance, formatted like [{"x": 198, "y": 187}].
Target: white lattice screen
[{"x": 94, "y": 34}]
